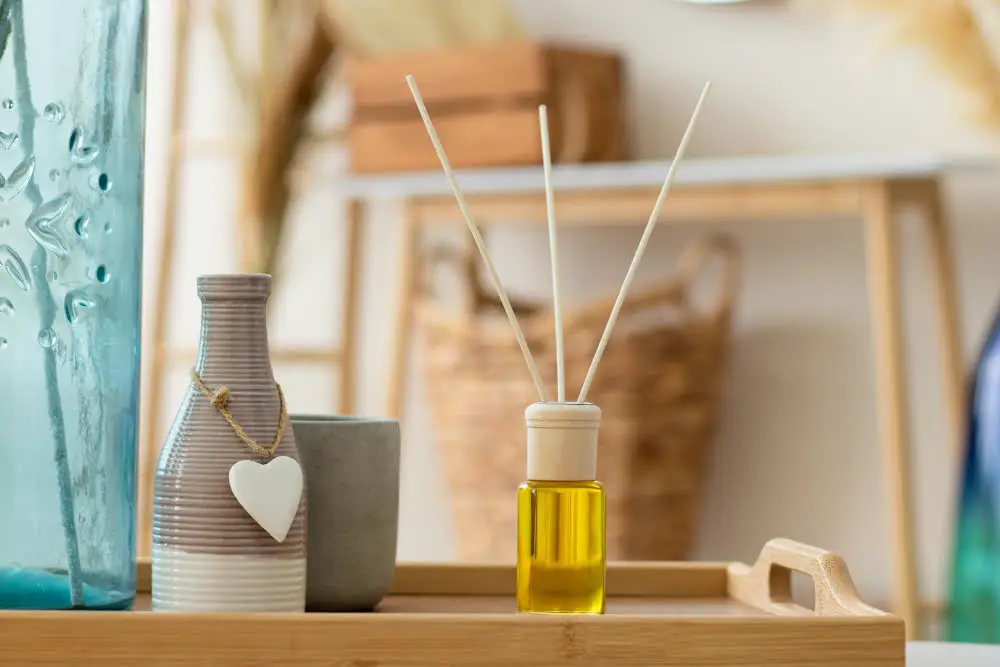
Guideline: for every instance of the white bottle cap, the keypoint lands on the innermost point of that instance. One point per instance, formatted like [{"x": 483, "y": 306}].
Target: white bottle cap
[{"x": 562, "y": 441}]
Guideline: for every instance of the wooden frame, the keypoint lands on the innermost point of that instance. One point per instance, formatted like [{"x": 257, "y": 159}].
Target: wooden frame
[
  {"x": 662, "y": 614},
  {"x": 339, "y": 358},
  {"x": 874, "y": 195}
]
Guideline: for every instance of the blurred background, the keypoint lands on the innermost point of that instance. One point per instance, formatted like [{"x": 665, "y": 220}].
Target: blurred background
[{"x": 273, "y": 141}]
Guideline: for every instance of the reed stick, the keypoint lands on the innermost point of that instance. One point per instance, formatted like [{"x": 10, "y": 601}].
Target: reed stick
[
  {"x": 643, "y": 242},
  {"x": 550, "y": 214},
  {"x": 463, "y": 206}
]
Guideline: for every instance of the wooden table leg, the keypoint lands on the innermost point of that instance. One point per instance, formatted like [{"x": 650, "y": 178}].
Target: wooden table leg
[
  {"x": 149, "y": 444},
  {"x": 891, "y": 391},
  {"x": 942, "y": 260},
  {"x": 406, "y": 294},
  {"x": 346, "y": 361}
]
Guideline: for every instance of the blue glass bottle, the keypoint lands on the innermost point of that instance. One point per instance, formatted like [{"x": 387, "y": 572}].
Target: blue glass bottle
[
  {"x": 71, "y": 159},
  {"x": 975, "y": 587}
]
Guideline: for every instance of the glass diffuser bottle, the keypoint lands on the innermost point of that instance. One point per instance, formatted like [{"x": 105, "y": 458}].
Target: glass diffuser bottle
[
  {"x": 71, "y": 158},
  {"x": 561, "y": 543}
]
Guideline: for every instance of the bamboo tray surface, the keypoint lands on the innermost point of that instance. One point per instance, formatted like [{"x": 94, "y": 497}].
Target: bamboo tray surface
[
  {"x": 487, "y": 604},
  {"x": 659, "y": 614}
]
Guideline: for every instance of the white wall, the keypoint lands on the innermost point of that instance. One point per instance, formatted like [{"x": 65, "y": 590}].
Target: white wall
[{"x": 797, "y": 452}]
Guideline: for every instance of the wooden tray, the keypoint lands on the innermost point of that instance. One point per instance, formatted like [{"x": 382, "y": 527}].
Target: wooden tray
[{"x": 658, "y": 614}]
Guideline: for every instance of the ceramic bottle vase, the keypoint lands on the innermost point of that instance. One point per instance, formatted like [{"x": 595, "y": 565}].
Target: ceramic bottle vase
[{"x": 209, "y": 554}]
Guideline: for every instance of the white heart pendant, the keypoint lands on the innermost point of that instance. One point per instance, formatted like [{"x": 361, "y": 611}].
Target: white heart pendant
[{"x": 269, "y": 493}]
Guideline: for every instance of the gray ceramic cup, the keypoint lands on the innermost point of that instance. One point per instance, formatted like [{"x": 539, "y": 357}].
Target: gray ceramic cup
[{"x": 351, "y": 469}]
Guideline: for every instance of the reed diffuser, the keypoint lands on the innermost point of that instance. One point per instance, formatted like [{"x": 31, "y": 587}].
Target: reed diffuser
[{"x": 561, "y": 545}]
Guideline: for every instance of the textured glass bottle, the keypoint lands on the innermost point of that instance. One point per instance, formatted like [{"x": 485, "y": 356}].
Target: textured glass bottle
[
  {"x": 561, "y": 536},
  {"x": 71, "y": 137},
  {"x": 975, "y": 586}
]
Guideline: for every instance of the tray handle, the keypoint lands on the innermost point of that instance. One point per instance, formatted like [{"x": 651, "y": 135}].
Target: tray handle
[{"x": 767, "y": 585}]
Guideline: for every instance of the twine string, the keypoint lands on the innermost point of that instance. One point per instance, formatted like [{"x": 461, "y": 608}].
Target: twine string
[{"x": 220, "y": 401}]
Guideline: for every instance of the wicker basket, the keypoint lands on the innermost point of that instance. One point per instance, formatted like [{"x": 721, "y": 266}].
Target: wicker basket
[{"x": 658, "y": 387}]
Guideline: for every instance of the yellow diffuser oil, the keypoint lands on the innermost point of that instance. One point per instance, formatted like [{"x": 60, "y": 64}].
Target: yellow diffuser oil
[{"x": 561, "y": 513}]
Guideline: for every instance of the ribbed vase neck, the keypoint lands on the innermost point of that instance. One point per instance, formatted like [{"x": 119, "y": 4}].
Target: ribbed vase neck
[{"x": 233, "y": 344}]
